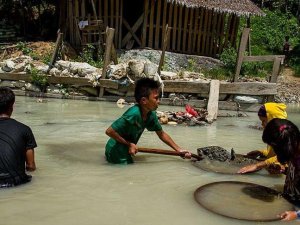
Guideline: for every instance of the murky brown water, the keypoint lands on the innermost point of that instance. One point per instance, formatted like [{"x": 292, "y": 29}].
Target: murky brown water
[{"x": 74, "y": 185}]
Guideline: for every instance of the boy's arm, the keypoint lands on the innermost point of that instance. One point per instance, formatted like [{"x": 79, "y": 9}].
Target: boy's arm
[
  {"x": 30, "y": 163},
  {"x": 115, "y": 135},
  {"x": 169, "y": 141}
]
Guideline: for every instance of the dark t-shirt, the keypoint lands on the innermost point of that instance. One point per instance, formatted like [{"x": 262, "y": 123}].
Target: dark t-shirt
[
  {"x": 15, "y": 139},
  {"x": 292, "y": 182}
]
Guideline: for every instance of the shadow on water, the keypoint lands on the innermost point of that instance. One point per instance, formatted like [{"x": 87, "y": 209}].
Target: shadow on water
[
  {"x": 77, "y": 152},
  {"x": 261, "y": 193}
]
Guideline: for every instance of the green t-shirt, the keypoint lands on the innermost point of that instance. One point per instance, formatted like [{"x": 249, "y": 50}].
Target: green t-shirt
[{"x": 130, "y": 126}]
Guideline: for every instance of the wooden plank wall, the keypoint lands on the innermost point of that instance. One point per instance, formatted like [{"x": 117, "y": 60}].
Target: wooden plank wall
[
  {"x": 193, "y": 30},
  {"x": 107, "y": 10}
]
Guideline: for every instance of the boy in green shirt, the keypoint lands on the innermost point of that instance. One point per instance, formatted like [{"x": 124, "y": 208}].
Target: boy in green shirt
[{"x": 125, "y": 132}]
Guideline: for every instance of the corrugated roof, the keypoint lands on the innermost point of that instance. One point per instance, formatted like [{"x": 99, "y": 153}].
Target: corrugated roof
[{"x": 238, "y": 7}]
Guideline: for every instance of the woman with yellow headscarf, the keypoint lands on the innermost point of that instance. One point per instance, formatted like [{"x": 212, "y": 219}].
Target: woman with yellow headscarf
[{"x": 266, "y": 113}]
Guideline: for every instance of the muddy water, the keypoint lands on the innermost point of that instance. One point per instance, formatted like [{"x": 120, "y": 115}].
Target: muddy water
[{"x": 75, "y": 185}]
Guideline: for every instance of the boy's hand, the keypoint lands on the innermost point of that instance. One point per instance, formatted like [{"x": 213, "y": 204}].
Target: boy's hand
[
  {"x": 187, "y": 154},
  {"x": 132, "y": 149}
]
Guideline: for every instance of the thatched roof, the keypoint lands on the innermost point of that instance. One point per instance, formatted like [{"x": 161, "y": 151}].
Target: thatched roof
[{"x": 238, "y": 7}]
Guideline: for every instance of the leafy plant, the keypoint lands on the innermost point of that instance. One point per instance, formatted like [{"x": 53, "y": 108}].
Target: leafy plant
[
  {"x": 89, "y": 54},
  {"x": 22, "y": 46},
  {"x": 269, "y": 32},
  {"x": 228, "y": 57},
  {"x": 192, "y": 65},
  {"x": 219, "y": 73},
  {"x": 39, "y": 79}
]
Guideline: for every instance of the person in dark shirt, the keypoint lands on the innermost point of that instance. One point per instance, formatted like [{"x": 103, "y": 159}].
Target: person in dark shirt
[
  {"x": 284, "y": 137},
  {"x": 17, "y": 144}
]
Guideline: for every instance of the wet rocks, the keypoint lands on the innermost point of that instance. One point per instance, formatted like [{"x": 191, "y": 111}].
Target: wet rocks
[
  {"x": 218, "y": 153},
  {"x": 183, "y": 118},
  {"x": 215, "y": 153}
]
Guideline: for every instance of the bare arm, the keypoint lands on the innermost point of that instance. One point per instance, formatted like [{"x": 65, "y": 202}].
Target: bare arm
[
  {"x": 30, "y": 163},
  {"x": 253, "y": 167},
  {"x": 115, "y": 135},
  {"x": 169, "y": 141}
]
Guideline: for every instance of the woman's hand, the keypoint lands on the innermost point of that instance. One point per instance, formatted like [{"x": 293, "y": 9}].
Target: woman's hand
[
  {"x": 276, "y": 168},
  {"x": 288, "y": 215}
]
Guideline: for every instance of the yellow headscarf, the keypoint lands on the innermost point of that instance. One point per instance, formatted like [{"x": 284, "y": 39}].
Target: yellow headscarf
[{"x": 275, "y": 110}]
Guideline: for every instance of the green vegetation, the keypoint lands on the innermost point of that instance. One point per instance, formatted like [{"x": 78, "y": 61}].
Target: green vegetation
[
  {"x": 267, "y": 38},
  {"x": 39, "y": 79},
  {"x": 89, "y": 55},
  {"x": 23, "y": 46},
  {"x": 192, "y": 65}
]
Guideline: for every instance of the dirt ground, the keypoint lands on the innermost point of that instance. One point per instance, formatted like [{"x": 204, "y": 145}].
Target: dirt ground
[{"x": 288, "y": 87}]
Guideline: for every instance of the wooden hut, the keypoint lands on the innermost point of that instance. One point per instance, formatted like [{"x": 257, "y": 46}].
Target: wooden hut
[{"x": 200, "y": 27}]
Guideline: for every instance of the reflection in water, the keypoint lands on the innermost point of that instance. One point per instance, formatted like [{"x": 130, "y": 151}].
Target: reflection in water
[
  {"x": 261, "y": 193},
  {"x": 74, "y": 184}
]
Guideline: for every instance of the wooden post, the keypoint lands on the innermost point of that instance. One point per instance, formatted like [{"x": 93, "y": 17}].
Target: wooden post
[
  {"x": 275, "y": 73},
  {"x": 213, "y": 101},
  {"x": 114, "y": 55},
  {"x": 240, "y": 56},
  {"x": 276, "y": 69},
  {"x": 108, "y": 46},
  {"x": 107, "y": 55},
  {"x": 249, "y": 41},
  {"x": 164, "y": 46},
  {"x": 57, "y": 46}
]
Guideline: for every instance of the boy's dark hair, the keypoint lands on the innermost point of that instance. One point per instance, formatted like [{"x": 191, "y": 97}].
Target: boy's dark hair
[
  {"x": 143, "y": 88},
  {"x": 7, "y": 99},
  {"x": 284, "y": 137}
]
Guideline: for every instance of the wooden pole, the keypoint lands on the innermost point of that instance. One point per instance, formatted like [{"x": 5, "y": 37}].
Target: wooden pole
[
  {"x": 249, "y": 41},
  {"x": 99, "y": 48},
  {"x": 164, "y": 46},
  {"x": 213, "y": 101},
  {"x": 108, "y": 46},
  {"x": 242, "y": 48},
  {"x": 107, "y": 55},
  {"x": 57, "y": 46}
]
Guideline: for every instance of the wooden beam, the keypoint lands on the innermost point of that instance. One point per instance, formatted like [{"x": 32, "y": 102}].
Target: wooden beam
[
  {"x": 145, "y": 24},
  {"x": 248, "y": 88},
  {"x": 238, "y": 88},
  {"x": 164, "y": 46},
  {"x": 132, "y": 31},
  {"x": 240, "y": 56},
  {"x": 265, "y": 58},
  {"x": 57, "y": 46},
  {"x": 157, "y": 26},
  {"x": 108, "y": 46},
  {"x": 212, "y": 105},
  {"x": 186, "y": 87},
  {"x": 107, "y": 83},
  {"x": 276, "y": 69}
]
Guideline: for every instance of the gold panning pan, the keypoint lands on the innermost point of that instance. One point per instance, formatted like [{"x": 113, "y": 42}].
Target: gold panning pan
[
  {"x": 219, "y": 160},
  {"x": 243, "y": 201}
]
